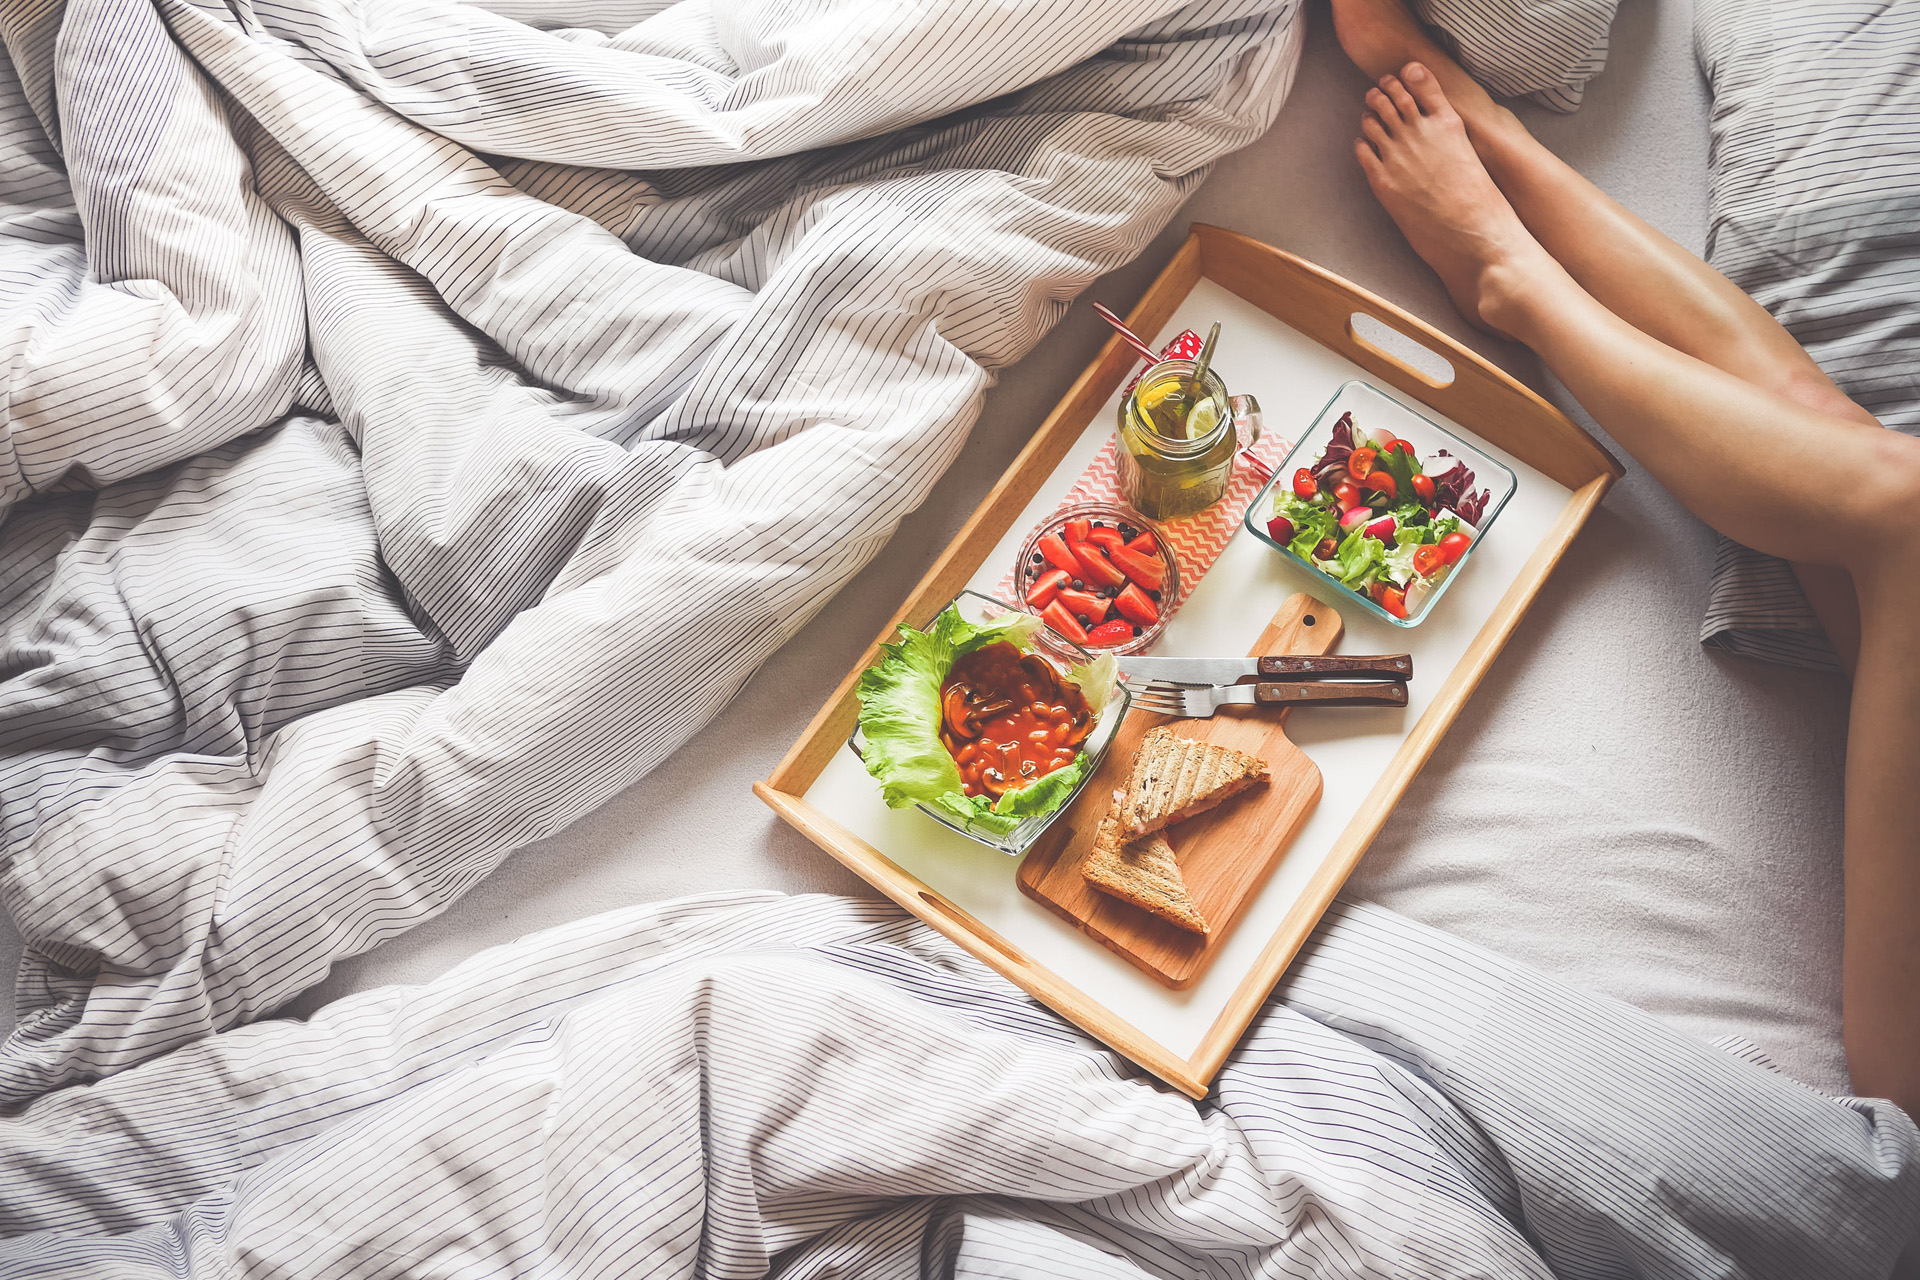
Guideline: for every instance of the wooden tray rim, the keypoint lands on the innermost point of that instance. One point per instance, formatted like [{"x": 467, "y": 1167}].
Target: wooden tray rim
[{"x": 1319, "y": 304}]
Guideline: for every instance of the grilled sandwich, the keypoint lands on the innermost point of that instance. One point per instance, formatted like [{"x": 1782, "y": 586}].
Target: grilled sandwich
[{"x": 1174, "y": 778}]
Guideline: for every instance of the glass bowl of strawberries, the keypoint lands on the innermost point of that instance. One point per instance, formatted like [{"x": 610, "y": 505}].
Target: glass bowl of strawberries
[{"x": 1100, "y": 576}]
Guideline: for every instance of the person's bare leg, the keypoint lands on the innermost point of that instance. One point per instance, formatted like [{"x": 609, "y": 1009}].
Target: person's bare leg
[
  {"x": 1631, "y": 269},
  {"x": 1763, "y": 468}
]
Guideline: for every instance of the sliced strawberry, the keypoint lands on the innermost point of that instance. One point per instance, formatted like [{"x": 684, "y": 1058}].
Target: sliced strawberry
[
  {"x": 1047, "y": 586},
  {"x": 1108, "y": 634},
  {"x": 1099, "y": 571},
  {"x": 1146, "y": 571},
  {"x": 1108, "y": 540},
  {"x": 1076, "y": 531},
  {"x": 1084, "y": 604},
  {"x": 1056, "y": 552},
  {"x": 1136, "y": 606},
  {"x": 1056, "y": 616},
  {"x": 1145, "y": 545}
]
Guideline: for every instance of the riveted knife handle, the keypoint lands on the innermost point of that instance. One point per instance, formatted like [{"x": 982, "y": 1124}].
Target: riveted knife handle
[
  {"x": 1397, "y": 666},
  {"x": 1332, "y": 693}
]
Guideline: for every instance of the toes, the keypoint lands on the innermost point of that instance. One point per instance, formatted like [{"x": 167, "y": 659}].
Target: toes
[
  {"x": 1374, "y": 130},
  {"x": 1403, "y": 102},
  {"x": 1369, "y": 159},
  {"x": 1425, "y": 89},
  {"x": 1383, "y": 106}
]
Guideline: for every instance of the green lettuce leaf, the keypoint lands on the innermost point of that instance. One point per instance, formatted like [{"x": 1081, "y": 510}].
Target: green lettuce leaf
[
  {"x": 1360, "y": 559},
  {"x": 1311, "y": 522},
  {"x": 900, "y": 722}
]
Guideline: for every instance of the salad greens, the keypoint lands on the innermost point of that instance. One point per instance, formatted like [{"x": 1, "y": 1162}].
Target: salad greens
[
  {"x": 1371, "y": 514},
  {"x": 900, "y": 716},
  {"x": 1360, "y": 560}
]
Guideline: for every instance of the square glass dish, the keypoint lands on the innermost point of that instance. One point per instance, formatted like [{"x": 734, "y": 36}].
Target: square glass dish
[
  {"x": 1365, "y": 409},
  {"x": 978, "y": 609}
]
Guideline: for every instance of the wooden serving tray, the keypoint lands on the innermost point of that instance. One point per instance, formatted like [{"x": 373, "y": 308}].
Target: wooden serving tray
[
  {"x": 1225, "y": 854},
  {"x": 1301, "y": 319}
]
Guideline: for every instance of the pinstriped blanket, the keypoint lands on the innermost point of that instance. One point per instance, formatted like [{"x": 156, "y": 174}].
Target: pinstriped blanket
[
  {"x": 418, "y": 418},
  {"x": 747, "y": 1085}
]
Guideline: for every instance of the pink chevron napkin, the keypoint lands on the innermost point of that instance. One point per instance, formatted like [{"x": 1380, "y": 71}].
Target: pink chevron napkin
[{"x": 1197, "y": 540}]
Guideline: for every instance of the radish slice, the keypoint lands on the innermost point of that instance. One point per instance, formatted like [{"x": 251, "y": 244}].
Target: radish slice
[
  {"x": 1359, "y": 515},
  {"x": 1382, "y": 528}
]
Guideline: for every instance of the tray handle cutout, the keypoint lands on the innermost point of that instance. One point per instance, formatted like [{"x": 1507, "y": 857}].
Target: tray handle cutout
[{"x": 1388, "y": 343}]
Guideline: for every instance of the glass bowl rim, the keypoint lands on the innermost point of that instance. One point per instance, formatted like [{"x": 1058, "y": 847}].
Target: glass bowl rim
[{"x": 1169, "y": 589}]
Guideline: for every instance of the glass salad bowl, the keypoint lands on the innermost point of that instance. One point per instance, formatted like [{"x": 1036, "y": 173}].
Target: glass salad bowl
[
  {"x": 1380, "y": 538},
  {"x": 919, "y": 660},
  {"x": 1141, "y": 607}
]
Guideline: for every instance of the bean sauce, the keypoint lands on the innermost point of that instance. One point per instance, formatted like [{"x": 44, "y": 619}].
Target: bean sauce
[{"x": 1009, "y": 719}]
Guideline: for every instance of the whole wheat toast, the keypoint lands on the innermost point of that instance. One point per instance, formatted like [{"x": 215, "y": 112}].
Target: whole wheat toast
[{"x": 1142, "y": 872}]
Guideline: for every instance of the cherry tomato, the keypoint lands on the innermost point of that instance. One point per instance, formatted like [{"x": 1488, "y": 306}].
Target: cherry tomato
[
  {"x": 1361, "y": 462},
  {"x": 1347, "y": 495},
  {"x": 1423, "y": 489},
  {"x": 1381, "y": 482},
  {"x": 1304, "y": 485},
  {"x": 1280, "y": 529},
  {"x": 1327, "y": 549},
  {"x": 1401, "y": 445},
  {"x": 1453, "y": 546},
  {"x": 1392, "y": 599},
  {"x": 1428, "y": 561}
]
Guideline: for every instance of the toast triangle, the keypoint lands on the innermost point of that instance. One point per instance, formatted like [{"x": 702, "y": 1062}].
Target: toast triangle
[
  {"x": 1175, "y": 778},
  {"x": 1143, "y": 873}
]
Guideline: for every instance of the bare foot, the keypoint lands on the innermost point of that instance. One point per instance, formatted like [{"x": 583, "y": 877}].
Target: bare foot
[
  {"x": 1417, "y": 157},
  {"x": 1382, "y": 36}
]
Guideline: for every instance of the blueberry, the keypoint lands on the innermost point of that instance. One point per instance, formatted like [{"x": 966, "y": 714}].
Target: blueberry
[
  {"x": 1099, "y": 524},
  {"x": 1085, "y": 620},
  {"x": 1037, "y": 557},
  {"x": 1079, "y": 585},
  {"x": 1108, "y": 593},
  {"x": 1154, "y": 596},
  {"x": 1136, "y": 630}
]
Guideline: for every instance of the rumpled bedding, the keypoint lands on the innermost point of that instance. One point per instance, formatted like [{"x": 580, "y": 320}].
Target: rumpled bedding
[
  {"x": 749, "y": 1085},
  {"x": 419, "y": 417}
]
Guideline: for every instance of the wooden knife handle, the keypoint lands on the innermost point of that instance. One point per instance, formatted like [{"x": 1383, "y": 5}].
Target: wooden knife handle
[
  {"x": 1397, "y": 665},
  {"x": 1332, "y": 693}
]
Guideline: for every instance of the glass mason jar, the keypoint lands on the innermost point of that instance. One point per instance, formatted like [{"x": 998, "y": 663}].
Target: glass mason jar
[{"x": 1177, "y": 444}]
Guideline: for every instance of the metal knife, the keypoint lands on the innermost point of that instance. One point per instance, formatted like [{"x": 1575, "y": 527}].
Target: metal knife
[{"x": 1292, "y": 666}]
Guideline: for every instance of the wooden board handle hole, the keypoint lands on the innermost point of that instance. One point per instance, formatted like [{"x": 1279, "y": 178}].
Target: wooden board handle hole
[{"x": 1395, "y": 347}]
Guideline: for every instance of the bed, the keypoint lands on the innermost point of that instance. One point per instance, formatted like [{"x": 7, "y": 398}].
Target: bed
[
  {"x": 1572, "y": 819},
  {"x": 1620, "y": 808}
]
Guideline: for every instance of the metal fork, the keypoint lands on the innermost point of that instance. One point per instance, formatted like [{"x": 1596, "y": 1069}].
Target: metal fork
[{"x": 1195, "y": 701}]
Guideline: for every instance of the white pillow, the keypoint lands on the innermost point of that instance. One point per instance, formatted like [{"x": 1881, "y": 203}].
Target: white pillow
[{"x": 1545, "y": 50}]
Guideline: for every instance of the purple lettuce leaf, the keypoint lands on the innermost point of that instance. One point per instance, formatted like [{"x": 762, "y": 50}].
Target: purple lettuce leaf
[
  {"x": 1453, "y": 490},
  {"x": 1340, "y": 447}
]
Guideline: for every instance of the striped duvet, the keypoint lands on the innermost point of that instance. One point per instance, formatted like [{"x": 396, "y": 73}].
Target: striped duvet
[
  {"x": 748, "y": 1085},
  {"x": 418, "y": 419}
]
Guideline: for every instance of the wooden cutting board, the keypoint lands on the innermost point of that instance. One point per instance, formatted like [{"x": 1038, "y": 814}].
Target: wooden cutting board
[{"x": 1225, "y": 854}]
